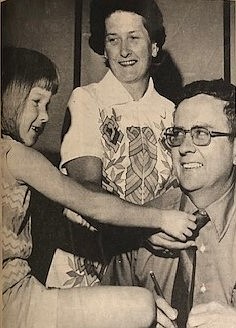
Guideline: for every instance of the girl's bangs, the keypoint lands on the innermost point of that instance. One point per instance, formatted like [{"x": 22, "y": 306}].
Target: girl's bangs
[{"x": 49, "y": 85}]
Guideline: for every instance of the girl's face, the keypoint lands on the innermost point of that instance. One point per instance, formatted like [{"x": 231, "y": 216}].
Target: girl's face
[{"x": 34, "y": 116}]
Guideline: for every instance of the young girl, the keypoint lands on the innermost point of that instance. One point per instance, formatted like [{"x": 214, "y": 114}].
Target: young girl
[{"x": 29, "y": 79}]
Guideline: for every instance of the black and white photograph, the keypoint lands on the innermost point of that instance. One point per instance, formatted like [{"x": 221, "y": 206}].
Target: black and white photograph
[{"x": 118, "y": 163}]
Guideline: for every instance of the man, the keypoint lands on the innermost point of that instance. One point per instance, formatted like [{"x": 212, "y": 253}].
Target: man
[{"x": 203, "y": 149}]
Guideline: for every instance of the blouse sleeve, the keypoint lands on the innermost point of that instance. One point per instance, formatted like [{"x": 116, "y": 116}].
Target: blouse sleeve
[{"x": 83, "y": 136}]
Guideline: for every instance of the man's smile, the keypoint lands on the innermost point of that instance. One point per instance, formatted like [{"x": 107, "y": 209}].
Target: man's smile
[
  {"x": 191, "y": 165},
  {"x": 127, "y": 62}
]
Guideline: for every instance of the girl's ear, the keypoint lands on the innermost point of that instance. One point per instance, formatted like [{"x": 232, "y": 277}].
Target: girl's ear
[{"x": 155, "y": 49}]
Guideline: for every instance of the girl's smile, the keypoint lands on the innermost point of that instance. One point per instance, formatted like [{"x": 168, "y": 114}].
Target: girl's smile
[{"x": 34, "y": 116}]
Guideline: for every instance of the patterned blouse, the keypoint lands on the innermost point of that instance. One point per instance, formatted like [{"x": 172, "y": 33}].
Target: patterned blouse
[{"x": 126, "y": 135}]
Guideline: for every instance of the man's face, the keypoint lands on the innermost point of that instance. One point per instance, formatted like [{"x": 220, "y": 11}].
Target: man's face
[
  {"x": 203, "y": 168},
  {"x": 128, "y": 47}
]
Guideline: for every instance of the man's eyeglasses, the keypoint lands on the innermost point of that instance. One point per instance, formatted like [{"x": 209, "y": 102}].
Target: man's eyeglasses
[{"x": 201, "y": 136}]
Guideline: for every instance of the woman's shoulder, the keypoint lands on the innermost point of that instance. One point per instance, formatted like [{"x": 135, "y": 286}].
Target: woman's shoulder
[
  {"x": 88, "y": 91},
  {"x": 86, "y": 99}
]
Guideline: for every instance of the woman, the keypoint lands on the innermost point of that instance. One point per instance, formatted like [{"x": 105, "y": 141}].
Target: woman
[{"x": 114, "y": 140}]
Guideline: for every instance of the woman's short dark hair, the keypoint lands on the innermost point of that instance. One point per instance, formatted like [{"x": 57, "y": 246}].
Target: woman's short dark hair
[
  {"x": 101, "y": 9},
  {"x": 219, "y": 89}
]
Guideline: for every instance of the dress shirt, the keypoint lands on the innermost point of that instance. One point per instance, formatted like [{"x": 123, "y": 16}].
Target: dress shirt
[{"x": 215, "y": 275}]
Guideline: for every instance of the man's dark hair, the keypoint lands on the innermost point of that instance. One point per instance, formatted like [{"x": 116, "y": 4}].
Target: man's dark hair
[
  {"x": 219, "y": 89},
  {"x": 148, "y": 9}
]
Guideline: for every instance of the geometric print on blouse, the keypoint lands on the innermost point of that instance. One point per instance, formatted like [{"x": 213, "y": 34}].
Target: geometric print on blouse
[
  {"x": 142, "y": 174},
  {"x": 137, "y": 178}
]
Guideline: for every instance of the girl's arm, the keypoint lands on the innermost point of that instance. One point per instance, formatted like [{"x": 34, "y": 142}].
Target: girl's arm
[
  {"x": 29, "y": 166},
  {"x": 106, "y": 307}
]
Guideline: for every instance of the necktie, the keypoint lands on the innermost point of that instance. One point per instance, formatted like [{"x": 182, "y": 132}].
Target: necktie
[
  {"x": 183, "y": 290},
  {"x": 201, "y": 220}
]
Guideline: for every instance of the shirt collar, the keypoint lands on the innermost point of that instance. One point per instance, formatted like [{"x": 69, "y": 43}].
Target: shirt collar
[
  {"x": 220, "y": 212},
  {"x": 114, "y": 93}
]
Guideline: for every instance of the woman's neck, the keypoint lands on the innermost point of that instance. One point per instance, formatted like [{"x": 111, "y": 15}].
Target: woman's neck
[{"x": 137, "y": 89}]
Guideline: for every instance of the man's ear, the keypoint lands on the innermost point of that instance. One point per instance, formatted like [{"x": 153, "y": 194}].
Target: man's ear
[
  {"x": 155, "y": 49},
  {"x": 105, "y": 54}
]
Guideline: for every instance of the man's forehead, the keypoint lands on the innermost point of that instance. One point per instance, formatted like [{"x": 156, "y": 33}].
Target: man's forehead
[
  {"x": 201, "y": 99},
  {"x": 197, "y": 102},
  {"x": 201, "y": 108}
]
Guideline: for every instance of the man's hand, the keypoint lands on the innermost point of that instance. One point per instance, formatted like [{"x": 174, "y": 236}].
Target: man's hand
[
  {"x": 165, "y": 314},
  {"x": 161, "y": 241},
  {"x": 212, "y": 315}
]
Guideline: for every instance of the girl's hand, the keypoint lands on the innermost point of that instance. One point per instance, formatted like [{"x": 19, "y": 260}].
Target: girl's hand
[
  {"x": 162, "y": 241},
  {"x": 178, "y": 224}
]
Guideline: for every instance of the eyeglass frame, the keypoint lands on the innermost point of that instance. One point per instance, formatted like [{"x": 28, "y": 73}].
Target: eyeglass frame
[{"x": 211, "y": 134}]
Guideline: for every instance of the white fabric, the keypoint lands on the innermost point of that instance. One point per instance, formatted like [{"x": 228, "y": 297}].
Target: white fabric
[
  {"x": 109, "y": 101},
  {"x": 125, "y": 134}
]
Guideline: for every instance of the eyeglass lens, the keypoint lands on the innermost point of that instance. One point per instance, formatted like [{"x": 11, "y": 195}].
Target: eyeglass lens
[{"x": 200, "y": 136}]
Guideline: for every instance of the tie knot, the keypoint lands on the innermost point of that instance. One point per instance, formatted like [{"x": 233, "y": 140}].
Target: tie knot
[{"x": 201, "y": 221}]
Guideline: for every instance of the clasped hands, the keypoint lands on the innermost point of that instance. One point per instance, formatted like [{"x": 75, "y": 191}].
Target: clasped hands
[{"x": 162, "y": 241}]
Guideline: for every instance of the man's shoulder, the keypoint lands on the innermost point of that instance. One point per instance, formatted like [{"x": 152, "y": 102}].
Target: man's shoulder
[{"x": 168, "y": 200}]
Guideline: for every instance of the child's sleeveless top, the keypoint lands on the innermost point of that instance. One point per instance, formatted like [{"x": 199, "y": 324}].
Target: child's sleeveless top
[{"x": 16, "y": 222}]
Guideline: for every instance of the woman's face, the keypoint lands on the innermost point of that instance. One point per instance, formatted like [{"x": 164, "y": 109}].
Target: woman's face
[
  {"x": 128, "y": 47},
  {"x": 34, "y": 115}
]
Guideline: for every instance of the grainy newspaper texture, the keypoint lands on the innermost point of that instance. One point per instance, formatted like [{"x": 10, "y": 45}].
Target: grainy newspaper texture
[{"x": 112, "y": 143}]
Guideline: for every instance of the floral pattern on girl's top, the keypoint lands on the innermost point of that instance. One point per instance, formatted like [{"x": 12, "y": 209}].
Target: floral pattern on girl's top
[{"x": 135, "y": 164}]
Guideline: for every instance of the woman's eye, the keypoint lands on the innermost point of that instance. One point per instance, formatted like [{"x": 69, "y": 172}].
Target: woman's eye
[
  {"x": 112, "y": 39},
  {"x": 36, "y": 102}
]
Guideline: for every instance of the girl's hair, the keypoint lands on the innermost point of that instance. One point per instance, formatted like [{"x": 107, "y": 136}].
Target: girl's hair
[{"x": 23, "y": 69}]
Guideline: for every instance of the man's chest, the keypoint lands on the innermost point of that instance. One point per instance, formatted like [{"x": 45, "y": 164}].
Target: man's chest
[{"x": 215, "y": 272}]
